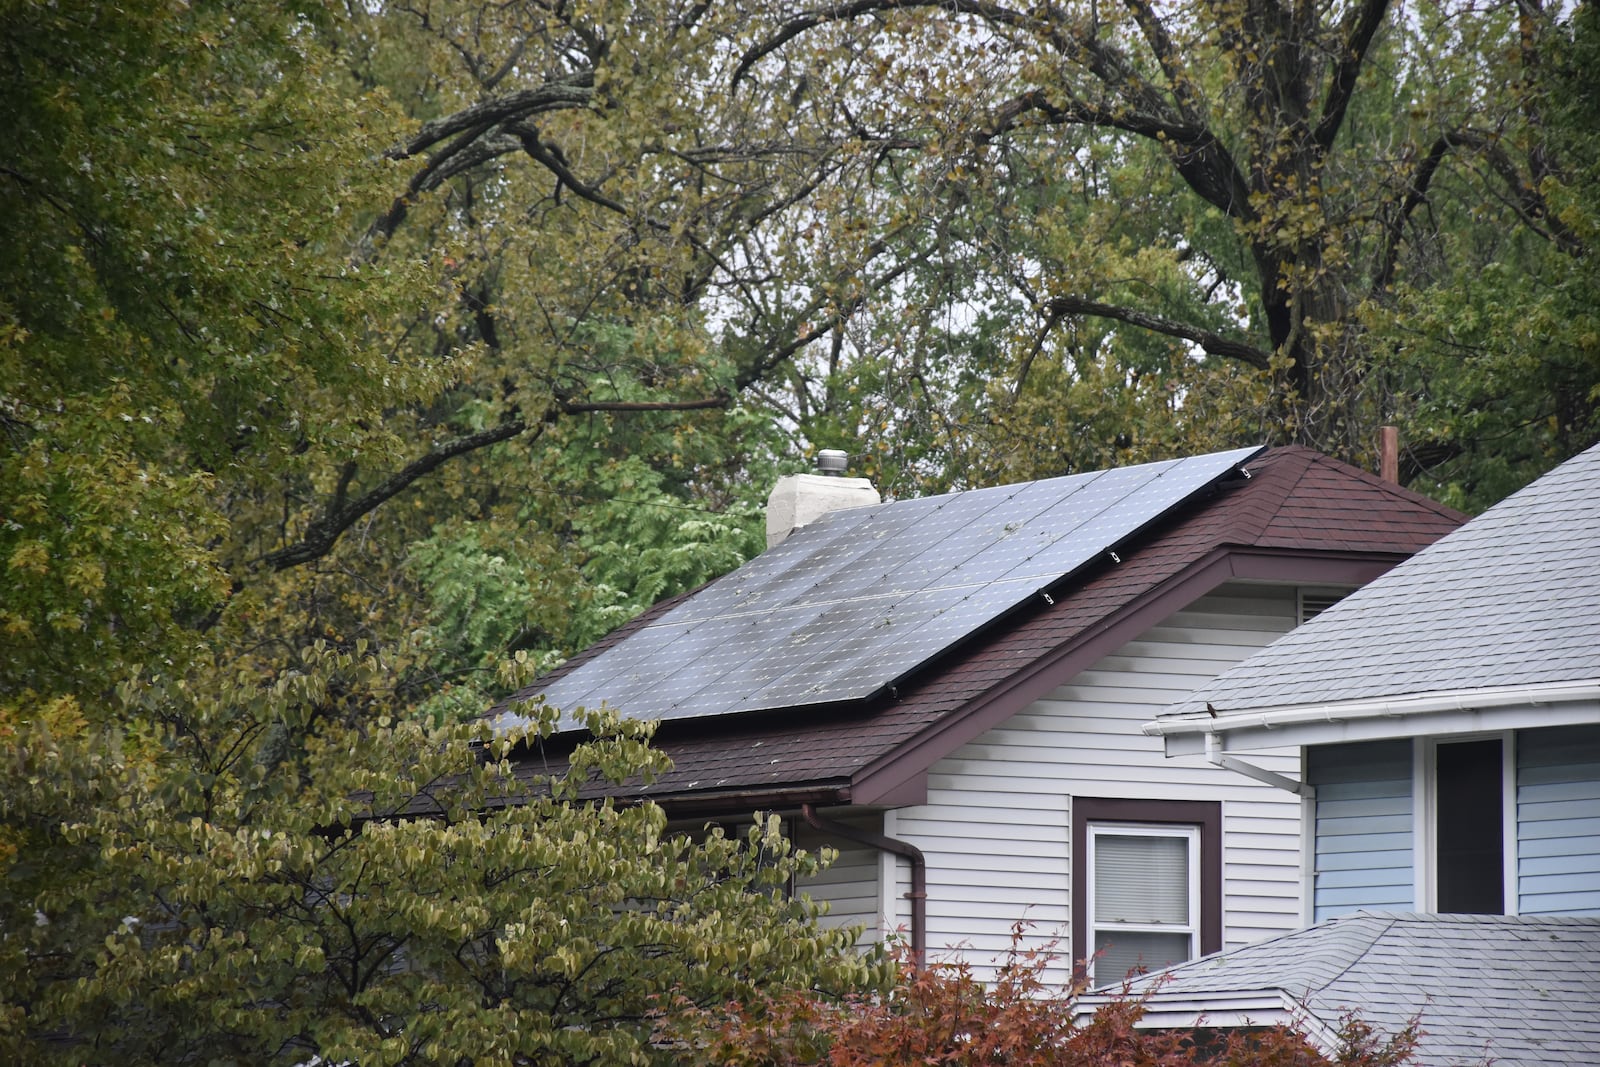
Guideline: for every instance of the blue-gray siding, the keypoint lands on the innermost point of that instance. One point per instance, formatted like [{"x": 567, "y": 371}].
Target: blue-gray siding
[
  {"x": 1558, "y": 821},
  {"x": 1364, "y": 848}
]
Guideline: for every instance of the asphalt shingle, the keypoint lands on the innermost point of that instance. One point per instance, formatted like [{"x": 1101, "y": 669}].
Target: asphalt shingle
[
  {"x": 1512, "y": 598},
  {"x": 1520, "y": 990}
]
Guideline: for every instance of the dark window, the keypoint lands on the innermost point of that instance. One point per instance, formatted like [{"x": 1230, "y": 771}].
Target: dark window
[{"x": 1469, "y": 827}]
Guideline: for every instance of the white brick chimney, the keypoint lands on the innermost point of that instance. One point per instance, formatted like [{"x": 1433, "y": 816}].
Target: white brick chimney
[{"x": 800, "y": 499}]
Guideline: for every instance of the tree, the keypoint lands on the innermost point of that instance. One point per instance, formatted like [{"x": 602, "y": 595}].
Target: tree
[
  {"x": 186, "y": 346},
  {"x": 1496, "y": 335},
  {"x": 221, "y": 839},
  {"x": 246, "y": 879},
  {"x": 1241, "y": 183}
]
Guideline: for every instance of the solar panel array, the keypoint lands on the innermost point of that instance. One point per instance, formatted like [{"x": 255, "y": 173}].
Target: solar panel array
[{"x": 854, "y": 602}]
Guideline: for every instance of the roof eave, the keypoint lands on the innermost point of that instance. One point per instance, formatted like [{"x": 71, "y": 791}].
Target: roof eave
[
  {"x": 1221, "y": 1010},
  {"x": 1455, "y": 711},
  {"x": 724, "y": 802}
]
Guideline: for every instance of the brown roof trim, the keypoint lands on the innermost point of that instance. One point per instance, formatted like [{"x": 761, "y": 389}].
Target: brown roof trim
[
  {"x": 724, "y": 802},
  {"x": 899, "y": 770}
]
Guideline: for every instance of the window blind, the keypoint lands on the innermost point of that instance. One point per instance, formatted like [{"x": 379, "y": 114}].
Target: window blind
[{"x": 1141, "y": 878}]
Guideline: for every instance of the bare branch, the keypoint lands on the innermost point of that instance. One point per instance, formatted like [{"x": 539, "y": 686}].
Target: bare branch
[
  {"x": 1526, "y": 200},
  {"x": 811, "y": 325},
  {"x": 321, "y": 535},
  {"x": 578, "y": 407},
  {"x": 342, "y": 513},
  {"x": 1361, "y": 25},
  {"x": 1395, "y": 226},
  {"x": 550, "y": 158},
  {"x": 1205, "y": 165},
  {"x": 1053, "y": 317},
  {"x": 1155, "y": 34},
  {"x": 560, "y": 94},
  {"x": 1213, "y": 343}
]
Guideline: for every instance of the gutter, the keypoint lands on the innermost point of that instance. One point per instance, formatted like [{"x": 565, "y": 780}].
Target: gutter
[
  {"x": 919, "y": 871},
  {"x": 1387, "y": 707}
]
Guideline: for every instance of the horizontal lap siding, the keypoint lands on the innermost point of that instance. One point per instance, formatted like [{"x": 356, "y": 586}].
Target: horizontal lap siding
[
  {"x": 1363, "y": 855},
  {"x": 1558, "y": 821},
  {"x": 996, "y": 829}
]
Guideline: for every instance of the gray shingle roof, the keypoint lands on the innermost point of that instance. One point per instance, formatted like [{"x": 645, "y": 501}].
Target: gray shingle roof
[
  {"x": 1524, "y": 990},
  {"x": 1510, "y": 599}
]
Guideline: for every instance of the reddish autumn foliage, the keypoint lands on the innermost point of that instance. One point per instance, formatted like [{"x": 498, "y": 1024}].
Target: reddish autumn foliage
[{"x": 941, "y": 1016}]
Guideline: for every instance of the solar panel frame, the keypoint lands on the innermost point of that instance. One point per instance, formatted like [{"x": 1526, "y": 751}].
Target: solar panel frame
[{"x": 860, "y": 599}]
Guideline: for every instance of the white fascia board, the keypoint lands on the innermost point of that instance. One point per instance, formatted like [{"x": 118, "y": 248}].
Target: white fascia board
[
  {"x": 1223, "y": 1010},
  {"x": 1422, "y": 715}
]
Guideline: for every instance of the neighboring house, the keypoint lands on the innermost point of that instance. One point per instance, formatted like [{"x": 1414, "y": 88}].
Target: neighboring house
[
  {"x": 949, "y": 690},
  {"x": 1448, "y": 716},
  {"x": 1514, "y": 990}
]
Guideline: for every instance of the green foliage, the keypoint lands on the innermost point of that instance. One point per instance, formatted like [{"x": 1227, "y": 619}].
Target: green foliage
[
  {"x": 1497, "y": 348},
  {"x": 182, "y": 326},
  {"x": 940, "y": 1016},
  {"x": 207, "y": 883},
  {"x": 220, "y": 839}
]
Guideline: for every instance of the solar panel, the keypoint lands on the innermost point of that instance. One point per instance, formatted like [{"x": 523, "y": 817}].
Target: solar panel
[{"x": 859, "y": 599}]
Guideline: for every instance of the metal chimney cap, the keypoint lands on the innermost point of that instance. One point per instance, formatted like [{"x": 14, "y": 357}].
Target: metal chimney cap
[{"x": 833, "y": 462}]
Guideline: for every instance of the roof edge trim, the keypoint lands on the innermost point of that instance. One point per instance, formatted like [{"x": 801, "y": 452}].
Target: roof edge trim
[
  {"x": 1287, "y": 723},
  {"x": 1223, "y": 1010}
]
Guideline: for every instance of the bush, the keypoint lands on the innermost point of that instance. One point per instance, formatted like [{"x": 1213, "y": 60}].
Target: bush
[{"x": 941, "y": 1016}]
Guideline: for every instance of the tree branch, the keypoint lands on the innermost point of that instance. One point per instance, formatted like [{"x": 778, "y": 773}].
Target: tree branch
[
  {"x": 558, "y": 94},
  {"x": 808, "y": 329},
  {"x": 340, "y": 515},
  {"x": 1155, "y": 34},
  {"x": 1394, "y": 228},
  {"x": 550, "y": 159},
  {"x": 1213, "y": 343},
  {"x": 580, "y": 407},
  {"x": 1201, "y": 160},
  {"x": 1362, "y": 23},
  {"x": 1527, "y": 201}
]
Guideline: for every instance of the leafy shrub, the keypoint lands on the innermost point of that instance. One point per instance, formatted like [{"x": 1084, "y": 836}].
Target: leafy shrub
[{"x": 941, "y": 1016}]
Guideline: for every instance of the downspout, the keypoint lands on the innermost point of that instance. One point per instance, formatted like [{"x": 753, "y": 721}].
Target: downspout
[
  {"x": 919, "y": 871},
  {"x": 1219, "y": 758}
]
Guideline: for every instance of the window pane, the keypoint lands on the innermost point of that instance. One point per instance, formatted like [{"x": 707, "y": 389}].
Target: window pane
[
  {"x": 1470, "y": 856},
  {"x": 1141, "y": 879},
  {"x": 1123, "y": 950}
]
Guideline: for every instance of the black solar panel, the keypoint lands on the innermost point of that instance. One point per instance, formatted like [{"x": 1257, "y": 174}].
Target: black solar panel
[{"x": 859, "y": 599}]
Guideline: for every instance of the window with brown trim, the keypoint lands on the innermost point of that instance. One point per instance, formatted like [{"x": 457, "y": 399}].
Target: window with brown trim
[{"x": 1146, "y": 882}]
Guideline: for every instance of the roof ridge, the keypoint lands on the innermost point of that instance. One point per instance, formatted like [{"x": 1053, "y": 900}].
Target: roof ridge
[
  {"x": 1392, "y": 488},
  {"x": 1388, "y": 925}
]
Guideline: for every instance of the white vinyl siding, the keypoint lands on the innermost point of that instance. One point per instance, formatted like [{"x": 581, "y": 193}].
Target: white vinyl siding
[
  {"x": 1363, "y": 856},
  {"x": 1558, "y": 821},
  {"x": 996, "y": 829}
]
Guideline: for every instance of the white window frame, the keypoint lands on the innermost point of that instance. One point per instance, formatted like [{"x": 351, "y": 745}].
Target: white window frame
[{"x": 1191, "y": 835}]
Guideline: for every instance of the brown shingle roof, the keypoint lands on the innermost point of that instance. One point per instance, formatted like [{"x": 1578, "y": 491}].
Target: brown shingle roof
[{"x": 1301, "y": 517}]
